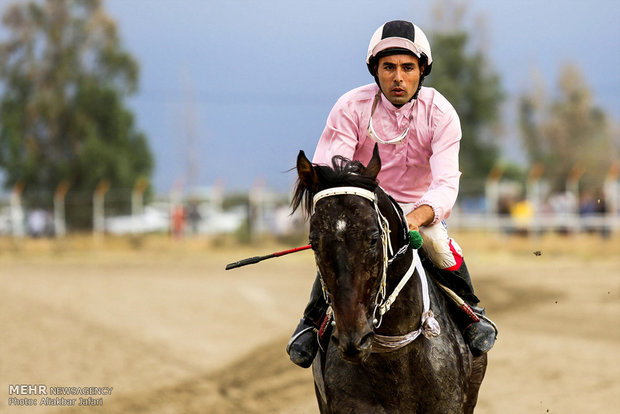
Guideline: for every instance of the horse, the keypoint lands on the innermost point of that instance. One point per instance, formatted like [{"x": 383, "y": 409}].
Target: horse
[{"x": 401, "y": 353}]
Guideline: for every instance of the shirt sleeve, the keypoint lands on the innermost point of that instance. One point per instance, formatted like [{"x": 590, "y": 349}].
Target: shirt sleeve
[
  {"x": 339, "y": 137},
  {"x": 444, "y": 164}
]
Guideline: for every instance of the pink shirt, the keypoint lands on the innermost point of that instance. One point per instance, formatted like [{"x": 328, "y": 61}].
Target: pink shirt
[{"x": 421, "y": 169}]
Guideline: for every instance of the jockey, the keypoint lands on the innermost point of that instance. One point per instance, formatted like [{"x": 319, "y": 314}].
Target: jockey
[{"x": 418, "y": 133}]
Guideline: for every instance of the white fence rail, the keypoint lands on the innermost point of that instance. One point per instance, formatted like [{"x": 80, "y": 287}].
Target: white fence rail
[
  {"x": 264, "y": 213},
  {"x": 571, "y": 223}
]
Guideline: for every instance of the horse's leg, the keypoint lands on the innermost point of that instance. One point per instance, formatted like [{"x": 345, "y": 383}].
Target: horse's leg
[{"x": 478, "y": 369}]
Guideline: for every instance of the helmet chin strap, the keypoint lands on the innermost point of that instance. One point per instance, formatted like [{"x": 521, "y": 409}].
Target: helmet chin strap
[{"x": 415, "y": 95}]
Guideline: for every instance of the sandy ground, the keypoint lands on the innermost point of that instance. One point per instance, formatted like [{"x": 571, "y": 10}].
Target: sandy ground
[{"x": 170, "y": 331}]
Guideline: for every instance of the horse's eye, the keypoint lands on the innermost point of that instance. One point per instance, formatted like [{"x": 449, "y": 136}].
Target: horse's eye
[{"x": 373, "y": 239}]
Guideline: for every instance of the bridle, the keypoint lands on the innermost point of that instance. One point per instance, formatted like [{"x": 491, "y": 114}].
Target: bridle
[{"x": 428, "y": 326}]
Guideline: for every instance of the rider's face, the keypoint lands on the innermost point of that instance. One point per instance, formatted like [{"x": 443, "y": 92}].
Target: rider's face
[{"x": 399, "y": 76}]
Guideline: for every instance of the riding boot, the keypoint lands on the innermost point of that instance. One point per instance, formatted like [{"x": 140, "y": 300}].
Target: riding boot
[
  {"x": 303, "y": 345},
  {"x": 479, "y": 331}
]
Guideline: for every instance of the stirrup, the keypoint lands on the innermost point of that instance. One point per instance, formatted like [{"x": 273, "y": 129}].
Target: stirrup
[
  {"x": 480, "y": 336},
  {"x": 295, "y": 336},
  {"x": 482, "y": 315}
]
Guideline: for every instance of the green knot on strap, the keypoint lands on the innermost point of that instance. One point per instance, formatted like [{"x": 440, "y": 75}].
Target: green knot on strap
[{"x": 415, "y": 239}]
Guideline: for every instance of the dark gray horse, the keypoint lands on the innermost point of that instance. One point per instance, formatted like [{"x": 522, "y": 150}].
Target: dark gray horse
[{"x": 386, "y": 354}]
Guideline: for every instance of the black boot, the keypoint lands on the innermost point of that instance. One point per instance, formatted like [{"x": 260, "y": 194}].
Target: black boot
[
  {"x": 303, "y": 345},
  {"x": 480, "y": 336},
  {"x": 479, "y": 331}
]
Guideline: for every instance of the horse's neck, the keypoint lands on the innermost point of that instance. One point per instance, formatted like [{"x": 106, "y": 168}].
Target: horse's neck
[{"x": 405, "y": 313}]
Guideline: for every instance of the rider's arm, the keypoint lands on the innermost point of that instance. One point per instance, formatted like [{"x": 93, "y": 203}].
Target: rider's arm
[
  {"x": 444, "y": 163},
  {"x": 340, "y": 136}
]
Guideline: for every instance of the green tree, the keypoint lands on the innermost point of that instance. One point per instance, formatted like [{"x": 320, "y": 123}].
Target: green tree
[
  {"x": 64, "y": 76},
  {"x": 464, "y": 76},
  {"x": 567, "y": 133}
]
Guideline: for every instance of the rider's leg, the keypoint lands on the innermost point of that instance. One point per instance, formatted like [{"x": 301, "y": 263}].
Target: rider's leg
[
  {"x": 303, "y": 345},
  {"x": 447, "y": 257}
]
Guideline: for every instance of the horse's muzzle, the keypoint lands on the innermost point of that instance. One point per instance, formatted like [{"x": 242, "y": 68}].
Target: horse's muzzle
[{"x": 354, "y": 347}]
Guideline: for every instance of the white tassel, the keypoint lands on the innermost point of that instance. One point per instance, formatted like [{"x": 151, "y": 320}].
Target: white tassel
[{"x": 430, "y": 326}]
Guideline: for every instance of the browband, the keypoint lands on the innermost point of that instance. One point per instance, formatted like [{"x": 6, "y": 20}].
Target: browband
[{"x": 343, "y": 191}]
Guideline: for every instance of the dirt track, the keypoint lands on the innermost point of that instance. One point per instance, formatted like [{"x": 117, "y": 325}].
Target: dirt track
[{"x": 172, "y": 332}]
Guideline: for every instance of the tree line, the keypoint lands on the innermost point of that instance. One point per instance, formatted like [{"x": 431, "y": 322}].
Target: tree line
[{"x": 65, "y": 77}]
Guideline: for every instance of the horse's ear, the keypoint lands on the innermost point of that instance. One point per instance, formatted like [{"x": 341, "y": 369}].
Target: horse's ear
[
  {"x": 306, "y": 172},
  {"x": 374, "y": 166}
]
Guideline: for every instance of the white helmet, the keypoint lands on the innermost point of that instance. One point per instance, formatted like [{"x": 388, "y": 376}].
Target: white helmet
[{"x": 395, "y": 37}]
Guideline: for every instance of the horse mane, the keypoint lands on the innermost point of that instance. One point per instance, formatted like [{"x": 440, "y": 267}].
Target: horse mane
[{"x": 343, "y": 172}]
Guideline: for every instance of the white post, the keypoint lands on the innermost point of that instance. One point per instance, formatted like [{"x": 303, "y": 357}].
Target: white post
[
  {"x": 98, "y": 208},
  {"x": 257, "y": 203},
  {"x": 60, "y": 228},
  {"x": 491, "y": 190},
  {"x": 572, "y": 188},
  {"x": 177, "y": 217},
  {"x": 137, "y": 202},
  {"x": 17, "y": 213},
  {"x": 611, "y": 196},
  {"x": 217, "y": 195}
]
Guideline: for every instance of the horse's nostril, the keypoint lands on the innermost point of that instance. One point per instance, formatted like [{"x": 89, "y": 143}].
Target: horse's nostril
[{"x": 366, "y": 341}]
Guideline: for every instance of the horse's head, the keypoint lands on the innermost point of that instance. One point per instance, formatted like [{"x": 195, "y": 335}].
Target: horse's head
[{"x": 346, "y": 236}]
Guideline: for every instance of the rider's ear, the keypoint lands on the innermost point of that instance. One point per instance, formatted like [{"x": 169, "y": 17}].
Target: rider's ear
[
  {"x": 374, "y": 166},
  {"x": 306, "y": 173}
]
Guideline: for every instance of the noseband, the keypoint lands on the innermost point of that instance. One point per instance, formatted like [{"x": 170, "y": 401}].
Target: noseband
[{"x": 429, "y": 326}]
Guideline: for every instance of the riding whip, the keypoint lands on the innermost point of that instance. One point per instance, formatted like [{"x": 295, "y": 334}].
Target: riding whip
[
  {"x": 256, "y": 259},
  {"x": 415, "y": 241}
]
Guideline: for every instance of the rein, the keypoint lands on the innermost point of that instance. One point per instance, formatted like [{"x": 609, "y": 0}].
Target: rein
[{"x": 428, "y": 325}]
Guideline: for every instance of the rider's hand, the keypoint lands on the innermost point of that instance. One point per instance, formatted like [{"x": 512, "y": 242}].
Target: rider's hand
[{"x": 419, "y": 217}]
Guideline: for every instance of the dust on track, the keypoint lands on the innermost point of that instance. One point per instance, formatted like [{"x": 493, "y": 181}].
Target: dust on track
[
  {"x": 173, "y": 332},
  {"x": 261, "y": 382}
]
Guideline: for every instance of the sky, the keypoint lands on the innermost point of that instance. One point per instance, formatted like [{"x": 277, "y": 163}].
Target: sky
[{"x": 230, "y": 91}]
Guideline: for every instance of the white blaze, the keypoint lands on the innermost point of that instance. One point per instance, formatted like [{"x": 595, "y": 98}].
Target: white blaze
[{"x": 341, "y": 225}]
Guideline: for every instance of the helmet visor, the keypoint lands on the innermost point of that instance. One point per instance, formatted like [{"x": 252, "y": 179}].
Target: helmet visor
[{"x": 398, "y": 44}]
